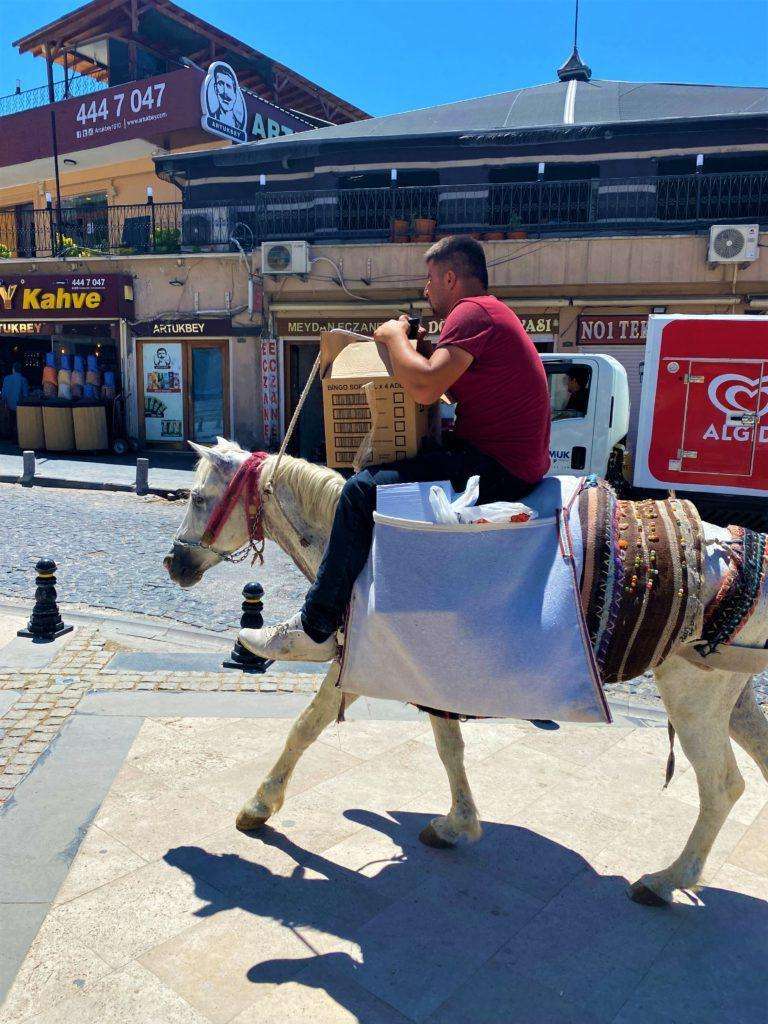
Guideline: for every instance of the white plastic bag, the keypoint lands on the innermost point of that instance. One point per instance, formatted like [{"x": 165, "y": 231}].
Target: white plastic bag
[
  {"x": 450, "y": 512},
  {"x": 498, "y": 512}
]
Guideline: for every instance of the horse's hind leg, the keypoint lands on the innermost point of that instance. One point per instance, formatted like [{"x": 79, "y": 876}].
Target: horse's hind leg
[
  {"x": 461, "y": 822},
  {"x": 320, "y": 712},
  {"x": 749, "y": 727},
  {"x": 699, "y": 706}
]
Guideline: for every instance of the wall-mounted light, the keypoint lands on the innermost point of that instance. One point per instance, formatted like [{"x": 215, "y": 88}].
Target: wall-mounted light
[
  {"x": 699, "y": 163},
  {"x": 70, "y": 161},
  {"x": 542, "y": 167},
  {"x": 393, "y": 175},
  {"x": 658, "y": 309},
  {"x": 176, "y": 282},
  {"x": 48, "y": 200},
  {"x": 262, "y": 180}
]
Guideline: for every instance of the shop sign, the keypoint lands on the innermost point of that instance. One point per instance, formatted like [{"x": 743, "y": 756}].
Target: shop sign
[
  {"x": 66, "y": 296},
  {"x": 629, "y": 329},
  {"x": 220, "y": 328},
  {"x": 163, "y": 391},
  {"x": 148, "y": 109},
  {"x": 224, "y": 109},
  {"x": 270, "y": 391},
  {"x": 287, "y": 327},
  {"x": 19, "y": 328}
]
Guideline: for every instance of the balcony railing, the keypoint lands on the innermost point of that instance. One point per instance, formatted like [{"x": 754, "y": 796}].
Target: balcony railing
[
  {"x": 590, "y": 206},
  {"x": 78, "y": 85}
]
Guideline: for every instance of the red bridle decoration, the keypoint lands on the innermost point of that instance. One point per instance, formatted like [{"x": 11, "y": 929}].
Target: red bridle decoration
[{"x": 245, "y": 484}]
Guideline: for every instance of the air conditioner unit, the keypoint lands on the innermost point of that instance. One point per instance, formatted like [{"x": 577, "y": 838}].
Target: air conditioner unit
[
  {"x": 205, "y": 228},
  {"x": 733, "y": 243},
  {"x": 285, "y": 257}
]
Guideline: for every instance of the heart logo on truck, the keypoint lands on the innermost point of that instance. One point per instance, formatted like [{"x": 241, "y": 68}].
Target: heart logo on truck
[{"x": 733, "y": 392}]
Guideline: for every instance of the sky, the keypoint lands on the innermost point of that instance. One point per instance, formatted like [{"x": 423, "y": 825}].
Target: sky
[{"x": 387, "y": 56}]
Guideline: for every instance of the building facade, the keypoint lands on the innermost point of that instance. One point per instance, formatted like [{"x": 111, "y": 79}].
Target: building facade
[
  {"x": 81, "y": 204},
  {"x": 595, "y": 202}
]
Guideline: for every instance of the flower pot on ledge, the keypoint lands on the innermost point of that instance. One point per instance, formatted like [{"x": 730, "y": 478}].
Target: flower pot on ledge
[
  {"x": 424, "y": 229},
  {"x": 399, "y": 231}
]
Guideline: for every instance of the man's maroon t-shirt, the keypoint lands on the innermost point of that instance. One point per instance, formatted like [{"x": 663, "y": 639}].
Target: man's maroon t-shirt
[{"x": 503, "y": 400}]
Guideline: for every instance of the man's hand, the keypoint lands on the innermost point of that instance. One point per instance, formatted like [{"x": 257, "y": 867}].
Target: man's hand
[
  {"x": 392, "y": 331},
  {"x": 425, "y": 380}
]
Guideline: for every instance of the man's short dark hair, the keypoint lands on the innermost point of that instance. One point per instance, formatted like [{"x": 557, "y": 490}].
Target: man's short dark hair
[
  {"x": 223, "y": 70},
  {"x": 464, "y": 256}
]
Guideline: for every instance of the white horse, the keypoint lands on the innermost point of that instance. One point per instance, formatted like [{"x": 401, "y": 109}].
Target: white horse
[{"x": 707, "y": 708}]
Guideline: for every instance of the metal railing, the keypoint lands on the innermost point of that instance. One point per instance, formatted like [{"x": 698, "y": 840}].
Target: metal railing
[
  {"x": 615, "y": 205},
  {"x": 28, "y": 99}
]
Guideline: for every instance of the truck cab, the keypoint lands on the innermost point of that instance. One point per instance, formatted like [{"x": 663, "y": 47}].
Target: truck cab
[{"x": 589, "y": 403}]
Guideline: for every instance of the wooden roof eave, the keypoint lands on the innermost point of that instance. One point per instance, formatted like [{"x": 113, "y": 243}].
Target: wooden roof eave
[{"x": 72, "y": 24}]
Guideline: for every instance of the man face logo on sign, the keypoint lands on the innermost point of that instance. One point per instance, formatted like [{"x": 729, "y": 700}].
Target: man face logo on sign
[{"x": 223, "y": 104}]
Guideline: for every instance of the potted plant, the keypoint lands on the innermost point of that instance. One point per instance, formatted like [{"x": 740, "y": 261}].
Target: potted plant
[
  {"x": 5, "y": 252},
  {"x": 513, "y": 229},
  {"x": 166, "y": 240},
  {"x": 399, "y": 230},
  {"x": 424, "y": 229}
]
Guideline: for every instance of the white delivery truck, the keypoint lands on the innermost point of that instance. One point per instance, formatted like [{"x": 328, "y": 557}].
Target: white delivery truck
[{"x": 703, "y": 420}]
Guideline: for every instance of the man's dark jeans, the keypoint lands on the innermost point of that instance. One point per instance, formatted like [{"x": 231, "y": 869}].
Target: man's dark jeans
[{"x": 352, "y": 533}]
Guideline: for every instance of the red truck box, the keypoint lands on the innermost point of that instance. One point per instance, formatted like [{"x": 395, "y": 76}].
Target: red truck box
[{"x": 704, "y": 407}]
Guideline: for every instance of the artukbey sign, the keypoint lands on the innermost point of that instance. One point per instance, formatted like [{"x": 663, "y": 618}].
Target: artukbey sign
[
  {"x": 65, "y": 297},
  {"x": 629, "y": 329},
  {"x": 150, "y": 110}
]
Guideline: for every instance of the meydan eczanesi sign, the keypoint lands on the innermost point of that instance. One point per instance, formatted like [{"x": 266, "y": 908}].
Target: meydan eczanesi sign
[{"x": 224, "y": 109}]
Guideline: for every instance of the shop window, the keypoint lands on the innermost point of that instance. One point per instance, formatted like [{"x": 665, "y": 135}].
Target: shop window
[{"x": 569, "y": 388}]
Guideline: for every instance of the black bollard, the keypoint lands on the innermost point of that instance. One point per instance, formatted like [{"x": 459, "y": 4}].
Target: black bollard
[
  {"x": 45, "y": 623},
  {"x": 253, "y": 605}
]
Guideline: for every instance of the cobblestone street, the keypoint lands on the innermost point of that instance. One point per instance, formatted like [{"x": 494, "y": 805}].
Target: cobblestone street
[{"x": 109, "y": 548}]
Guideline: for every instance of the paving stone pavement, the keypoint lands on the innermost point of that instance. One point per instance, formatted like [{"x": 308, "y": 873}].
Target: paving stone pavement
[
  {"x": 110, "y": 547},
  {"x": 336, "y": 914},
  {"x": 42, "y": 700}
]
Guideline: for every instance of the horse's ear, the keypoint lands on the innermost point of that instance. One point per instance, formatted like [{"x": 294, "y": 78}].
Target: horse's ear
[
  {"x": 221, "y": 441},
  {"x": 203, "y": 453}
]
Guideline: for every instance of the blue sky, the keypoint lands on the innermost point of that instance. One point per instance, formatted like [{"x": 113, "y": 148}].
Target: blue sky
[{"x": 387, "y": 55}]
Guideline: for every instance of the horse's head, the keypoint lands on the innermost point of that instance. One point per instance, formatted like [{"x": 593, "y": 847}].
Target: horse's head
[{"x": 189, "y": 558}]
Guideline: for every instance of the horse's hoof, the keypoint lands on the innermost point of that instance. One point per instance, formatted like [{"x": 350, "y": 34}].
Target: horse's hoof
[
  {"x": 429, "y": 837},
  {"x": 640, "y": 893},
  {"x": 249, "y": 822}
]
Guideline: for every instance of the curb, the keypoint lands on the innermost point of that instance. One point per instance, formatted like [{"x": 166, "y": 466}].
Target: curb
[{"x": 170, "y": 493}]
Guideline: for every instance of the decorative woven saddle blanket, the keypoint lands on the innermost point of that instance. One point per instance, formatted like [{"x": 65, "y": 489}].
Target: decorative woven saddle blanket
[{"x": 641, "y": 581}]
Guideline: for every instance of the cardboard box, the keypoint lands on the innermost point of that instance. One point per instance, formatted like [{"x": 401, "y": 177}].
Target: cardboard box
[{"x": 368, "y": 416}]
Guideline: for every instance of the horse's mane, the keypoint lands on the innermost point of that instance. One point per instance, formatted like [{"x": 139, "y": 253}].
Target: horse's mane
[{"x": 316, "y": 488}]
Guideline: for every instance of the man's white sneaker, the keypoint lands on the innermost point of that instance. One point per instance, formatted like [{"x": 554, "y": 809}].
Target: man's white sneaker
[{"x": 287, "y": 642}]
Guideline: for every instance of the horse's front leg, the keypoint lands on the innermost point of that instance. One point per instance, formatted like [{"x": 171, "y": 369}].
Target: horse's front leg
[
  {"x": 699, "y": 706},
  {"x": 461, "y": 822},
  {"x": 322, "y": 710}
]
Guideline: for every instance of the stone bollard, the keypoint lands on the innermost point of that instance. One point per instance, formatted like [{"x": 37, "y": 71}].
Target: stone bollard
[
  {"x": 28, "y": 469},
  {"x": 142, "y": 476},
  {"x": 45, "y": 622},
  {"x": 251, "y": 618}
]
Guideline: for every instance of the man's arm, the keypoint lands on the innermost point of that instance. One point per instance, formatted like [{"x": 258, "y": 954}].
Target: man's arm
[{"x": 425, "y": 380}]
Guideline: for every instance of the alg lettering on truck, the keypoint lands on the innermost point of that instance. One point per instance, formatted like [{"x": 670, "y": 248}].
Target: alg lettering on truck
[{"x": 737, "y": 395}]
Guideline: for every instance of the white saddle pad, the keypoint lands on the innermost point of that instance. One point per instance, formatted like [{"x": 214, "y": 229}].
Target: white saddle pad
[{"x": 482, "y": 619}]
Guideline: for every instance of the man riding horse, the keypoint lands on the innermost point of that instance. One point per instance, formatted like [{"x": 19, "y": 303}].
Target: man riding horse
[{"x": 486, "y": 362}]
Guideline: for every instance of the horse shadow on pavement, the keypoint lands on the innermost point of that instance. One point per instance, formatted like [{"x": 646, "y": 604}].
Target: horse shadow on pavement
[{"x": 544, "y": 938}]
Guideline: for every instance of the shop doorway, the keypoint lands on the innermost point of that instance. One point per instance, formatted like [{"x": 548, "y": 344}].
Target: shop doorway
[
  {"x": 308, "y": 441},
  {"x": 184, "y": 391}
]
